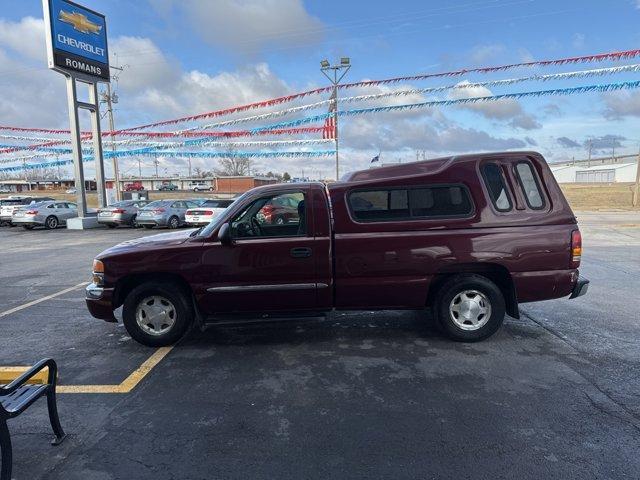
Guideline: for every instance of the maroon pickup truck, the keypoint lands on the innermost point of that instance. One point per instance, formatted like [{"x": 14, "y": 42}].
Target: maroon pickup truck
[{"x": 469, "y": 237}]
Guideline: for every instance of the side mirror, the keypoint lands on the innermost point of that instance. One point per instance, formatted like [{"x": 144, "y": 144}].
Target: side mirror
[{"x": 224, "y": 234}]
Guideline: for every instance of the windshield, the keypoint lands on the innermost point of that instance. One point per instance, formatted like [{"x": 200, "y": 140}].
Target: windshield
[{"x": 217, "y": 221}]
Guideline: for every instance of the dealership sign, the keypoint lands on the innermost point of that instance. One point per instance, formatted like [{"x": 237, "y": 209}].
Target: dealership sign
[{"x": 76, "y": 40}]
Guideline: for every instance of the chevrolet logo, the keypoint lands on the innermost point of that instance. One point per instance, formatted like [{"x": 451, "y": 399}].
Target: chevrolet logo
[{"x": 79, "y": 22}]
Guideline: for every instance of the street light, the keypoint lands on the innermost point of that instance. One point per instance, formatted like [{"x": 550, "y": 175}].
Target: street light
[{"x": 335, "y": 73}]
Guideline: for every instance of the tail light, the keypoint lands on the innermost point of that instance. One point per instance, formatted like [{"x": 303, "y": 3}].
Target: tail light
[
  {"x": 117, "y": 210},
  {"x": 158, "y": 210},
  {"x": 576, "y": 246},
  {"x": 31, "y": 212},
  {"x": 207, "y": 212},
  {"x": 267, "y": 209}
]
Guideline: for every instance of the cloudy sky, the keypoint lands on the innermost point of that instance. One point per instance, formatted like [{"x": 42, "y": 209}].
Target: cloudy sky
[{"x": 190, "y": 56}]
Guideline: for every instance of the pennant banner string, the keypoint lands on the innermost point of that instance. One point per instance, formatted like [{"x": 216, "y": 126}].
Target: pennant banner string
[{"x": 610, "y": 56}]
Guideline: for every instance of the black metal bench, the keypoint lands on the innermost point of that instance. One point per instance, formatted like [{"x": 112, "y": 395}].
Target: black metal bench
[{"x": 16, "y": 397}]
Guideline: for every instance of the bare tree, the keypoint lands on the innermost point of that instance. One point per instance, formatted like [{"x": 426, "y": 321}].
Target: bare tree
[{"x": 233, "y": 166}]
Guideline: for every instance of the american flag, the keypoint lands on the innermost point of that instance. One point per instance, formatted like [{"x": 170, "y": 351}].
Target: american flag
[{"x": 329, "y": 129}]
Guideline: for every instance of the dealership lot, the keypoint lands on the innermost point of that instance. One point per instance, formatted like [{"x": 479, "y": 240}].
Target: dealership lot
[{"x": 361, "y": 395}]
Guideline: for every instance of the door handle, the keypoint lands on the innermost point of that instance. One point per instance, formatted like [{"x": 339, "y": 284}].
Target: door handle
[{"x": 301, "y": 252}]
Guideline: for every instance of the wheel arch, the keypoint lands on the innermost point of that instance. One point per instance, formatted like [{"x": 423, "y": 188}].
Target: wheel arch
[
  {"x": 495, "y": 272},
  {"x": 126, "y": 284}
]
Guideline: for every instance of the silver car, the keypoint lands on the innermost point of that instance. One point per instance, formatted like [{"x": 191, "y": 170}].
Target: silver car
[
  {"x": 121, "y": 213},
  {"x": 164, "y": 213},
  {"x": 49, "y": 214}
]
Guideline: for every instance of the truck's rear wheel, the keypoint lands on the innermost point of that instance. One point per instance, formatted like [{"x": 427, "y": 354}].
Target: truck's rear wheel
[
  {"x": 157, "y": 314},
  {"x": 469, "y": 307}
]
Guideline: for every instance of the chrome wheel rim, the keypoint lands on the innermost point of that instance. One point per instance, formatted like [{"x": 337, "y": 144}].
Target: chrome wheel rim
[
  {"x": 470, "y": 310},
  {"x": 155, "y": 315},
  {"x": 173, "y": 223},
  {"x": 52, "y": 223}
]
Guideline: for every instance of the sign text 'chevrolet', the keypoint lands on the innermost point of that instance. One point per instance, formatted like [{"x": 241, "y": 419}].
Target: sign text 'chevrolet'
[{"x": 76, "y": 40}]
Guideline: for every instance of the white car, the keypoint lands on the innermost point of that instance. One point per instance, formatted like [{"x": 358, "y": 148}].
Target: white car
[
  {"x": 72, "y": 190},
  {"x": 206, "y": 212},
  {"x": 200, "y": 186},
  {"x": 15, "y": 202}
]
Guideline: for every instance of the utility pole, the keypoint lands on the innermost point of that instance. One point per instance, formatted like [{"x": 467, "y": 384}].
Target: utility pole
[
  {"x": 110, "y": 98},
  {"x": 590, "y": 146},
  {"x": 156, "y": 162},
  {"x": 336, "y": 74},
  {"x": 636, "y": 188}
]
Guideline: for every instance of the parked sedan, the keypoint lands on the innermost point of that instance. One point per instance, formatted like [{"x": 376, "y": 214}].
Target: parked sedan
[
  {"x": 169, "y": 187},
  {"x": 164, "y": 213},
  {"x": 49, "y": 215},
  {"x": 121, "y": 213},
  {"x": 206, "y": 212},
  {"x": 14, "y": 203}
]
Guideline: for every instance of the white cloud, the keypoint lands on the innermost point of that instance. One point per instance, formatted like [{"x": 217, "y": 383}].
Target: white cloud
[
  {"x": 503, "y": 109},
  {"x": 621, "y": 104},
  {"x": 247, "y": 25},
  {"x": 482, "y": 54},
  {"x": 25, "y": 37}
]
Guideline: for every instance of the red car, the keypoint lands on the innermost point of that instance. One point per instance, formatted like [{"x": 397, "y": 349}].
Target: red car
[
  {"x": 279, "y": 211},
  {"x": 468, "y": 237},
  {"x": 133, "y": 187}
]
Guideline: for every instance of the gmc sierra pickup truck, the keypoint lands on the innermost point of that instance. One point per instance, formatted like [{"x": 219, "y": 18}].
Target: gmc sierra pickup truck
[{"x": 468, "y": 237}]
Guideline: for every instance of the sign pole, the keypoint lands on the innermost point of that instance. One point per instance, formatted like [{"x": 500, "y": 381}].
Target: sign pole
[
  {"x": 97, "y": 145},
  {"x": 76, "y": 145}
]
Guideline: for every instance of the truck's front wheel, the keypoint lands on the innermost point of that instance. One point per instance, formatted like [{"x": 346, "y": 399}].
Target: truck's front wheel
[
  {"x": 469, "y": 307},
  {"x": 157, "y": 314}
]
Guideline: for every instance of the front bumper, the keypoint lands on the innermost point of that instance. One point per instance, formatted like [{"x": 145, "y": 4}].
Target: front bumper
[
  {"x": 580, "y": 288},
  {"x": 99, "y": 302}
]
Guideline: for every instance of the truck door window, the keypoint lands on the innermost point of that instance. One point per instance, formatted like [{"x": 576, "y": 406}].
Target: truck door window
[
  {"x": 279, "y": 215},
  {"x": 529, "y": 185},
  {"x": 494, "y": 180}
]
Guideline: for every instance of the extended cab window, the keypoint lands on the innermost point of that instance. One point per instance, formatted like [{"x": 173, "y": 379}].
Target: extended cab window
[
  {"x": 279, "y": 215},
  {"x": 415, "y": 203},
  {"x": 530, "y": 186},
  {"x": 494, "y": 180}
]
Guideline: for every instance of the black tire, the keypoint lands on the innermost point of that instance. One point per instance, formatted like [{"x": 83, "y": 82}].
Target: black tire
[
  {"x": 279, "y": 220},
  {"x": 133, "y": 223},
  {"x": 51, "y": 222},
  {"x": 28, "y": 227},
  {"x": 148, "y": 227},
  {"x": 173, "y": 223},
  {"x": 487, "y": 294},
  {"x": 211, "y": 189},
  {"x": 177, "y": 298}
]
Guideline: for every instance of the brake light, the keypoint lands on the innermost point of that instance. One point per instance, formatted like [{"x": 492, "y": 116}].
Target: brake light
[
  {"x": 158, "y": 210},
  {"x": 207, "y": 212},
  {"x": 118, "y": 210},
  {"x": 31, "y": 212},
  {"x": 576, "y": 246},
  {"x": 267, "y": 209}
]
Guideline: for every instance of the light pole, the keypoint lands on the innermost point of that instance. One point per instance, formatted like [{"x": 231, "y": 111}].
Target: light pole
[{"x": 335, "y": 73}]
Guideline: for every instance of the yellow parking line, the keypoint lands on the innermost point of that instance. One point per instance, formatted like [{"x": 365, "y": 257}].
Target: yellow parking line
[
  {"x": 42, "y": 299},
  {"x": 9, "y": 374},
  {"x": 128, "y": 384}
]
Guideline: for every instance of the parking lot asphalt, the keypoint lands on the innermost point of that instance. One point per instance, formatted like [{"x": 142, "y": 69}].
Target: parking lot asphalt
[{"x": 359, "y": 395}]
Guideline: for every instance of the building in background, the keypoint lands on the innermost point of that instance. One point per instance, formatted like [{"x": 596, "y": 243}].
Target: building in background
[{"x": 620, "y": 169}]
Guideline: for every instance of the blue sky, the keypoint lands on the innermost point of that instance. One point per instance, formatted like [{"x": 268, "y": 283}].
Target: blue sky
[{"x": 195, "y": 55}]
